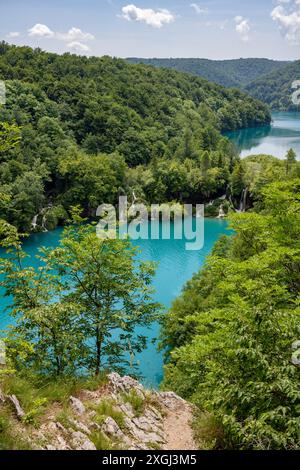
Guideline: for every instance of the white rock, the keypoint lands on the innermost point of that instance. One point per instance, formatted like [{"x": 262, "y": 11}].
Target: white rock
[
  {"x": 77, "y": 405},
  {"x": 80, "y": 426},
  {"x": 81, "y": 442},
  {"x": 127, "y": 409},
  {"x": 111, "y": 428}
]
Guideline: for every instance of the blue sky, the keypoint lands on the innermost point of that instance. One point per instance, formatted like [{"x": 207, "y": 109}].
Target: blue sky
[{"x": 217, "y": 29}]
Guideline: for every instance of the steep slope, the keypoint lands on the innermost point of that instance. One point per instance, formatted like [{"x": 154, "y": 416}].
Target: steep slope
[
  {"x": 229, "y": 73},
  {"x": 275, "y": 88}
]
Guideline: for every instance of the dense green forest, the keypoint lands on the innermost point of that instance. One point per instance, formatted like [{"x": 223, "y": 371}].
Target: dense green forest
[
  {"x": 267, "y": 80},
  {"x": 230, "y": 73},
  {"x": 276, "y": 87},
  {"x": 229, "y": 336},
  {"x": 79, "y": 131},
  {"x": 85, "y": 130}
]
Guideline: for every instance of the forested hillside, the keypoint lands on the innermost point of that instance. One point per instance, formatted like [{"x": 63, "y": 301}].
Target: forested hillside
[
  {"x": 230, "y": 73},
  {"x": 230, "y": 334},
  {"x": 77, "y": 130},
  {"x": 276, "y": 88}
]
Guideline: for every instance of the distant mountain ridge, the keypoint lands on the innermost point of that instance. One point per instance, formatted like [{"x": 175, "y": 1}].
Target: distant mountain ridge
[
  {"x": 236, "y": 73},
  {"x": 275, "y": 88}
]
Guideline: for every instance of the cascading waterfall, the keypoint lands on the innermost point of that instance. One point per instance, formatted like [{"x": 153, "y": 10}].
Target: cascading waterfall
[
  {"x": 34, "y": 222},
  {"x": 43, "y": 214},
  {"x": 243, "y": 202}
]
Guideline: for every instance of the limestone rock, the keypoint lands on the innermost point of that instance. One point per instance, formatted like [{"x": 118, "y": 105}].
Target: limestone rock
[
  {"x": 80, "y": 426},
  {"x": 127, "y": 409},
  {"x": 62, "y": 445},
  {"x": 170, "y": 399},
  {"x": 141, "y": 435},
  {"x": 79, "y": 441},
  {"x": 111, "y": 428},
  {"x": 124, "y": 384},
  {"x": 77, "y": 405}
]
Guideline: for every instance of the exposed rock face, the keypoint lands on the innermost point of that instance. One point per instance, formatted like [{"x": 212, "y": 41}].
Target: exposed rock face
[{"x": 122, "y": 413}]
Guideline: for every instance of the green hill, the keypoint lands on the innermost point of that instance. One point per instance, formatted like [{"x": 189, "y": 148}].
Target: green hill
[
  {"x": 229, "y": 73},
  {"x": 275, "y": 88},
  {"x": 84, "y": 130}
]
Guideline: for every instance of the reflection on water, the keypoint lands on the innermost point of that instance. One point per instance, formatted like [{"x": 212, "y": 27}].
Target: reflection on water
[{"x": 277, "y": 139}]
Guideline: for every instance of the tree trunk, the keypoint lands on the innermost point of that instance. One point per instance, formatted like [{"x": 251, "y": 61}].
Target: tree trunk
[{"x": 98, "y": 350}]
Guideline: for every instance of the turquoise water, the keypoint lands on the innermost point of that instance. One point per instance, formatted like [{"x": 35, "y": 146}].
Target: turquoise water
[
  {"x": 277, "y": 139},
  {"x": 176, "y": 266}
]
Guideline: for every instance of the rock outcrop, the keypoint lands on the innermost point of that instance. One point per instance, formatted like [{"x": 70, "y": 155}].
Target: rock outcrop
[{"x": 121, "y": 415}]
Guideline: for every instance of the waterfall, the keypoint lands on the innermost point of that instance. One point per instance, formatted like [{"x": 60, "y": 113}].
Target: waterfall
[
  {"x": 221, "y": 212},
  {"x": 34, "y": 222},
  {"x": 243, "y": 203},
  {"x": 43, "y": 214}
]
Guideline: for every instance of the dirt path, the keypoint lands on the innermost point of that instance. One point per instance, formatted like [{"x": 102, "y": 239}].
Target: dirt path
[{"x": 177, "y": 428}]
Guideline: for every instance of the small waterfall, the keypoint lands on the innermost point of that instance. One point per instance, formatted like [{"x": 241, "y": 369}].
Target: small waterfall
[
  {"x": 221, "y": 212},
  {"x": 34, "y": 222},
  {"x": 243, "y": 203},
  {"x": 43, "y": 215}
]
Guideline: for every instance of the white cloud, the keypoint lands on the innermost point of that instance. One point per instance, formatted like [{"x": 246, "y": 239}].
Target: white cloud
[
  {"x": 73, "y": 38},
  {"x": 75, "y": 34},
  {"x": 242, "y": 27},
  {"x": 154, "y": 18},
  {"x": 198, "y": 9},
  {"x": 78, "y": 46},
  {"x": 13, "y": 34},
  {"x": 41, "y": 31},
  {"x": 287, "y": 16}
]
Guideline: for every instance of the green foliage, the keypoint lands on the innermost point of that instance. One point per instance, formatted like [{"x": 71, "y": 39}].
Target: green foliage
[
  {"x": 276, "y": 87},
  {"x": 88, "y": 288},
  {"x": 73, "y": 128},
  {"x": 106, "y": 408},
  {"x": 230, "y": 73},
  {"x": 63, "y": 417},
  {"x": 37, "y": 406},
  {"x": 136, "y": 401},
  {"x": 102, "y": 442},
  {"x": 230, "y": 334},
  {"x": 208, "y": 431},
  {"x": 9, "y": 440}
]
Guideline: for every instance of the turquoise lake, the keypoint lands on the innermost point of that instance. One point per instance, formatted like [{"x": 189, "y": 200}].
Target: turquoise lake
[
  {"x": 277, "y": 139},
  {"x": 175, "y": 264},
  {"x": 175, "y": 267}
]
